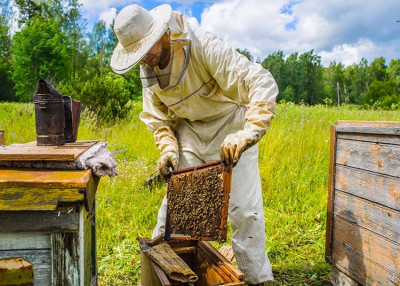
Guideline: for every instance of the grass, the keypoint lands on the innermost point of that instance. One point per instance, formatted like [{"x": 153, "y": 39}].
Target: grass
[{"x": 294, "y": 163}]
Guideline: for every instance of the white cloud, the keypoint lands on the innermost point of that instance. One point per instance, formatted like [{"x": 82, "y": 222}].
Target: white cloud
[
  {"x": 108, "y": 16},
  {"x": 96, "y": 7},
  {"x": 340, "y": 30}
]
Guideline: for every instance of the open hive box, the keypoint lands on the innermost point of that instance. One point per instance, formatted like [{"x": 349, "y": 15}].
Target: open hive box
[
  {"x": 210, "y": 266},
  {"x": 197, "y": 210},
  {"x": 197, "y": 202}
]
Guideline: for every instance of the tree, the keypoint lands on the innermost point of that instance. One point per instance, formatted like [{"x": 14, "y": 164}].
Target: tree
[
  {"x": 275, "y": 63},
  {"x": 40, "y": 51},
  {"x": 288, "y": 94},
  {"x": 334, "y": 79},
  {"x": 246, "y": 53},
  {"x": 394, "y": 73},
  {"x": 310, "y": 90},
  {"x": 381, "y": 93},
  {"x": 6, "y": 84},
  {"x": 377, "y": 70}
]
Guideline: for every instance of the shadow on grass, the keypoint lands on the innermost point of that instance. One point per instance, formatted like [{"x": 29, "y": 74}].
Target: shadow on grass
[{"x": 317, "y": 274}]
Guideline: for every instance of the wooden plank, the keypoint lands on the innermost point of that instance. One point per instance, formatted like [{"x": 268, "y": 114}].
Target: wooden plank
[
  {"x": 376, "y": 138},
  {"x": 383, "y": 252},
  {"x": 361, "y": 268},
  {"x": 369, "y": 130},
  {"x": 337, "y": 278},
  {"x": 331, "y": 196},
  {"x": 90, "y": 192},
  {"x": 21, "y": 199},
  {"x": 384, "y": 190},
  {"x": 380, "y": 124},
  {"x": 87, "y": 247},
  {"x": 221, "y": 260},
  {"x": 149, "y": 276},
  {"x": 210, "y": 274},
  {"x": 47, "y": 179},
  {"x": 61, "y": 220},
  {"x": 41, "y": 260},
  {"x": 31, "y": 152},
  {"x": 14, "y": 241},
  {"x": 381, "y": 220},
  {"x": 65, "y": 259},
  {"x": 379, "y": 158},
  {"x": 161, "y": 275}
]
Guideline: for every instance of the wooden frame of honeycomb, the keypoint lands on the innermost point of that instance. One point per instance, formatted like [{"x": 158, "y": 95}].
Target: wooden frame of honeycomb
[{"x": 197, "y": 202}]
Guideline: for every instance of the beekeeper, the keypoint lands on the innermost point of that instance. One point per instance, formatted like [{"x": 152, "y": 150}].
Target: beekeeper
[{"x": 204, "y": 102}]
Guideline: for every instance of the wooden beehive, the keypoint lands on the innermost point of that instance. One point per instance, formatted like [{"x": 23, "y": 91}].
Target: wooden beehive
[
  {"x": 211, "y": 267},
  {"x": 47, "y": 221},
  {"x": 197, "y": 202},
  {"x": 363, "y": 222}
]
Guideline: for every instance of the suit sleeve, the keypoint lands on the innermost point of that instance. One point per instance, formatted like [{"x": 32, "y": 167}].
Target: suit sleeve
[
  {"x": 242, "y": 80},
  {"x": 160, "y": 121}
]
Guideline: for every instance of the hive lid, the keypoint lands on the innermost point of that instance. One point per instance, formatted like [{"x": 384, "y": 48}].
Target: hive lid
[
  {"x": 31, "y": 152},
  {"x": 197, "y": 202}
]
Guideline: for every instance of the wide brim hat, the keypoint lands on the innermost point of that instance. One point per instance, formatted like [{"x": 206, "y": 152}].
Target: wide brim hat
[{"x": 137, "y": 31}]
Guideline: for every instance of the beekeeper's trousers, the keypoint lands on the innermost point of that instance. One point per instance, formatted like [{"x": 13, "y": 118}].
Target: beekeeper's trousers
[{"x": 199, "y": 143}]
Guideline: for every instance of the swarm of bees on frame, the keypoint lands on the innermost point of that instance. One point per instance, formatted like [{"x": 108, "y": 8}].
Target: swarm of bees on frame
[{"x": 195, "y": 209}]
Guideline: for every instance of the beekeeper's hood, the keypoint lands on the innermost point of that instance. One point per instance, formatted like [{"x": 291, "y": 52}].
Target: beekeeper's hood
[{"x": 137, "y": 31}]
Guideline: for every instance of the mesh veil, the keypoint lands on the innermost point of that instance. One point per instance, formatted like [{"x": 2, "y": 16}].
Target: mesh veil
[{"x": 149, "y": 76}]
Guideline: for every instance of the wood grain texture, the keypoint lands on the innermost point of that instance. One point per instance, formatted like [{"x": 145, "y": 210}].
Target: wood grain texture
[
  {"x": 46, "y": 179},
  {"x": 381, "y": 189},
  {"x": 10, "y": 240},
  {"x": 370, "y": 245},
  {"x": 65, "y": 259},
  {"x": 31, "y": 152},
  {"x": 337, "y": 277},
  {"x": 379, "y": 158},
  {"x": 357, "y": 123},
  {"x": 369, "y": 127},
  {"x": 360, "y": 268},
  {"x": 381, "y": 220},
  {"x": 62, "y": 220},
  {"x": 331, "y": 196},
  {"x": 88, "y": 246},
  {"x": 376, "y": 138},
  {"x": 149, "y": 276},
  {"x": 216, "y": 257},
  {"x": 369, "y": 130},
  {"x": 41, "y": 260},
  {"x": 34, "y": 199}
]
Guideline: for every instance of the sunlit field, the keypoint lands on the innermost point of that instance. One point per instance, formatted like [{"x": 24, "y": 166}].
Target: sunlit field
[{"x": 294, "y": 163}]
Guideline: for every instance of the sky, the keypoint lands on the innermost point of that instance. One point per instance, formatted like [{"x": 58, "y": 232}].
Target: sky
[{"x": 337, "y": 30}]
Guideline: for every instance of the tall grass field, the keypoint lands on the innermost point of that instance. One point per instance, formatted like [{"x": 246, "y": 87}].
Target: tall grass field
[{"x": 294, "y": 163}]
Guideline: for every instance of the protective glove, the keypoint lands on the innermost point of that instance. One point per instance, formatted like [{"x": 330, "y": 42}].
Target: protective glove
[
  {"x": 165, "y": 162},
  {"x": 235, "y": 144}
]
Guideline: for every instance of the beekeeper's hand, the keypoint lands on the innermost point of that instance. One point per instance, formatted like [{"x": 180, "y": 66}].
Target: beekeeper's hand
[
  {"x": 167, "y": 160},
  {"x": 235, "y": 144}
]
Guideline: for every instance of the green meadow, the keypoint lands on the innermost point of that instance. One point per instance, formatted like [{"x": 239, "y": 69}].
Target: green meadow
[{"x": 294, "y": 164}]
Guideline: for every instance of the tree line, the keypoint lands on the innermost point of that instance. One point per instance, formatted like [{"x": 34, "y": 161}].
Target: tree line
[{"x": 48, "y": 40}]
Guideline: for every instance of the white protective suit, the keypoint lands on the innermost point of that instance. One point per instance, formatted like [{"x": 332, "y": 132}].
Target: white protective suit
[{"x": 220, "y": 93}]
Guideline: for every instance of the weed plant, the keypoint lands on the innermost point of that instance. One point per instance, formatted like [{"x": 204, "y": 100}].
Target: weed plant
[{"x": 294, "y": 164}]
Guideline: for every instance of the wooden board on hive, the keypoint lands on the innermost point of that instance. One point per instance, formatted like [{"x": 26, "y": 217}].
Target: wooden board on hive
[
  {"x": 197, "y": 202},
  {"x": 31, "y": 152},
  {"x": 364, "y": 202}
]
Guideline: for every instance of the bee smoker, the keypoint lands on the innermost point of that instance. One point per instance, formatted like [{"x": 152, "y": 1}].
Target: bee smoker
[
  {"x": 72, "y": 110},
  {"x": 56, "y": 116}
]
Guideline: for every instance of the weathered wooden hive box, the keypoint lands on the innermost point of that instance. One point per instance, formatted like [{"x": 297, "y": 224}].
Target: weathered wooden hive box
[
  {"x": 210, "y": 266},
  {"x": 47, "y": 225},
  {"x": 363, "y": 223},
  {"x": 197, "y": 212}
]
